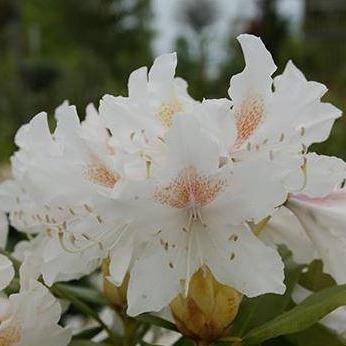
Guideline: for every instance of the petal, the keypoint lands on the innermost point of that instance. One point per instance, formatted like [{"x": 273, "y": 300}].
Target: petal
[
  {"x": 323, "y": 175},
  {"x": 216, "y": 119},
  {"x": 163, "y": 269},
  {"x": 237, "y": 258},
  {"x": 163, "y": 69},
  {"x": 120, "y": 258},
  {"x": 184, "y": 143},
  {"x": 67, "y": 122},
  {"x": 36, "y": 135},
  {"x": 30, "y": 269},
  {"x": 138, "y": 83},
  {"x": 297, "y": 111},
  {"x": 3, "y": 230},
  {"x": 285, "y": 229},
  {"x": 293, "y": 76},
  {"x": 126, "y": 119},
  {"x": 37, "y": 312},
  {"x": 256, "y": 76},
  {"x": 251, "y": 90},
  {"x": 60, "y": 265},
  {"x": 6, "y": 272},
  {"x": 254, "y": 190},
  {"x": 324, "y": 221}
]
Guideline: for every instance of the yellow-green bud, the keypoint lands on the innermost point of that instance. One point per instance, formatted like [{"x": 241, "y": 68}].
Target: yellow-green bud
[{"x": 208, "y": 310}]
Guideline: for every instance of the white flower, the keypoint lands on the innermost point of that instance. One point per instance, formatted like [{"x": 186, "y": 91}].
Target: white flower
[
  {"x": 31, "y": 318},
  {"x": 314, "y": 226},
  {"x": 177, "y": 183},
  {"x": 141, "y": 120},
  {"x": 192, "y": 213},
  {"x": 62, "y": 183}
]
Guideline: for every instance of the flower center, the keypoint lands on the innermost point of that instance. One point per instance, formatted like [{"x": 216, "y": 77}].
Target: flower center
[
  {"x": 189, "y": 190},
  {"x": 10, "y": 336},
  {"x": 166, "y": 112}
]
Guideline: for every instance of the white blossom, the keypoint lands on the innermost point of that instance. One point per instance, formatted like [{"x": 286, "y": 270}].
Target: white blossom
[{"x": 30, "y": 318}]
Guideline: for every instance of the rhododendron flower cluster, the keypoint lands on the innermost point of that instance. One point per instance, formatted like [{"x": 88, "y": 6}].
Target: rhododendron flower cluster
[{"x": 163, "y": 186}]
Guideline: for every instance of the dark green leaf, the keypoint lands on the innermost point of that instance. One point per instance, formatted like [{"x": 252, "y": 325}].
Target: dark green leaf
[
  {"x": 183, "y": 342},
  {"x": 317, "y": 335},
  {"x": 88, "y": 333},
  {"x": 280, "y": 341},
  {"x": 156, "y": 321},
  {"x": 309, "y": 312},
  {"x": 87, "y": 343},
  {"x": 315, "y": 279}
]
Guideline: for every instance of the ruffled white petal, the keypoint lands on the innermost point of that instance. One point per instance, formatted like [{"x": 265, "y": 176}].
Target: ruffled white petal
[
  {"x": 3, "y": 228},
  {"x": 6, "y": 271},
  {"x": 120, "y": 258},
  {"x": 255, "y": 79},
  {"x": 163, "y": 269},
  {"x": 163, "y": 69},
  {"x": 32, "y": 319},
  {"x": 285, "y": 229},
  {"x": 215, "y": 118},
  {"x": 138, "y": 83},
  {"x": 323, "y": 175},
  {"x": 227, "y": 250},
  {"x": 188, "y": 146},
  {"x": 324, "y": 221}
]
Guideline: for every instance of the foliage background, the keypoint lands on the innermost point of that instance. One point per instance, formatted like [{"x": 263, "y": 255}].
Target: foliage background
[{"x": 81, "y": 49}]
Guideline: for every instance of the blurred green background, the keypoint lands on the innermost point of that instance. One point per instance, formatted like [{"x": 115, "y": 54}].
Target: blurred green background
[{"x": 52, "y": 50}]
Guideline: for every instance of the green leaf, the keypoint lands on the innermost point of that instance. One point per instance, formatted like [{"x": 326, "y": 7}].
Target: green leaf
[
  {"x": 315, "y": 279},
  {"x": 87, "y": 343},
  {"x": 184, "y": 342},
  {"x": 156, "y": 321},
  {"x": 317, "y": 335},
  {"x": 309, "y": 312},
  {"x": 255, "y": 311},
  {"x": 280, "y": 341},
  {"x": 88, "y": 333}
]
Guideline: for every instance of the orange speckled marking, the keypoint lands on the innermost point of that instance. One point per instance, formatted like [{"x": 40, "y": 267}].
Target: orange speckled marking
[
  {"x": 166, "y": 112},
  {"x": 248, "y": 117},
  {"x": 98, "y": 173},
  {"x": 189, "y": 189},
  {"x": 10, "y": 335}
]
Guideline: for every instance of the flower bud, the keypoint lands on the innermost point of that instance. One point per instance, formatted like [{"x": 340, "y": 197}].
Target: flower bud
[
  {"x": 208, "y": 310},
  {"x": 116, "y": 295}
]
